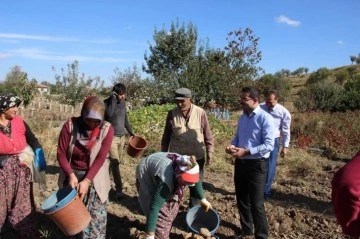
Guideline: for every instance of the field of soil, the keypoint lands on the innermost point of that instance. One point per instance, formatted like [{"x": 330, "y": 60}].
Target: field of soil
[{"x": 299, "y": 209}]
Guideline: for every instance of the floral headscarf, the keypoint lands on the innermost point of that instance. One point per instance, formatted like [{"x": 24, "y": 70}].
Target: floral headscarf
[
  {"x": 8, "y": 100},
  {"x": 182, "y": 165}
]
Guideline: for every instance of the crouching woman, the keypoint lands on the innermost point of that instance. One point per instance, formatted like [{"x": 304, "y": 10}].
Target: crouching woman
[
  {"x": 161, "y": 179},
  {"x": 83, "y": 147}
]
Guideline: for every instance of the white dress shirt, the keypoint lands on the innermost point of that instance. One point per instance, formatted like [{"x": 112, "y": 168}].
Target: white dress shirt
[{"x": 282, "y": 120}]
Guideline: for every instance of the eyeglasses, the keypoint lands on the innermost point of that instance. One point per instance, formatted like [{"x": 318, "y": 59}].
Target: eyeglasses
[{"x": 245, "y": 99}]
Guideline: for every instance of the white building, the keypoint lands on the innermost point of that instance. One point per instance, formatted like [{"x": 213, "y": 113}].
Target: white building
[{"x": 43, "y": 89}]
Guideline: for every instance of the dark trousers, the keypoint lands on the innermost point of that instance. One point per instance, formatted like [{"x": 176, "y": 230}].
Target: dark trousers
[
  {"x": 193, "y": 200},
  {"x": 250, "y": 177}
]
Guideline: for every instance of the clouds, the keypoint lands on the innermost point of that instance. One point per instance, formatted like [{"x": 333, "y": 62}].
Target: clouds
[
  {"x": 4, "y": 55},
  {"x": 287, "y": 20},
  {"x": 15, "y": 36},
  {"x": 93, "y": 54},
  {"x": 37, "y": 54}
]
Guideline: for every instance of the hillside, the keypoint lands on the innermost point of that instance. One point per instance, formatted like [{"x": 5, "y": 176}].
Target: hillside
[{"x": 298, "y": 83}]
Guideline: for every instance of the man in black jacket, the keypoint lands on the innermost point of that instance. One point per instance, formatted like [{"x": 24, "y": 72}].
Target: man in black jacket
[{"x": 115, "y": 113}]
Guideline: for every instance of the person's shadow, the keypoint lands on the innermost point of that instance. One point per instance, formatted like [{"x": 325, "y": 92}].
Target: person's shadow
[
  {"x": 127, "y": 201},
  {"x": 301, "y": 201},
  {"x": 211, "y": 188}
]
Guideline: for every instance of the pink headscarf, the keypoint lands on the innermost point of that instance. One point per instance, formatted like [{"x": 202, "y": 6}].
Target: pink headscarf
[{"x": 93, "y": 108}]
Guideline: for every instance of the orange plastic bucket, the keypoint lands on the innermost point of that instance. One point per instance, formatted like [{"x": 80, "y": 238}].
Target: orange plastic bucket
[
  {"x": 136, "y": 146},
  {"x": 68, "y": 212}
]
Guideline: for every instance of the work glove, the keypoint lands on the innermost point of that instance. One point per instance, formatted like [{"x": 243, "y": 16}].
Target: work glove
[
  {"x": 40, "y": 162},
  {"x": 205, "y": 204}
]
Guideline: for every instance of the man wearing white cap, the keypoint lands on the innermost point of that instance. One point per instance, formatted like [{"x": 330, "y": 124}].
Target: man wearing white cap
[
  {"x": 187, "y": 132},
  {"x": 161, "y": 179}
]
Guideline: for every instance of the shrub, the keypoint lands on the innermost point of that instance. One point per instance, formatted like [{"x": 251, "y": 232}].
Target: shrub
[
  {"x": 149, "y": 122},
  {"x": 352, "y": 93},
  {"x": 319, "y": 76},
  {"x": 319, "y": 96},
  {"x": 338, "y": 132}
]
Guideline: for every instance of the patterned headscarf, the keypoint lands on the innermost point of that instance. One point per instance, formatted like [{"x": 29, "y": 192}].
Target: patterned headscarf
[
  {"x": 8, "y": 100},
  {"x": 182, "y": 166}
]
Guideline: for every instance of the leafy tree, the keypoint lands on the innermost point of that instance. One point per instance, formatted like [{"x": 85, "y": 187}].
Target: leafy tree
[
  {"x": 275, "y": 82},
  {"x": 211, "y": 74},
  {"x": 204, "y": 74},
  {"x": 306, "y": 70},
  {"x": 17, "y": 82},
  {"x": 318, "y": 76},
  {"x": 55, "y": 89},
  {"x": 45, "y": 83},
  {"x": 300, "y": 71},
  {"x": 341, "y": 77},
  {"x": 243, "y": 54},
  {"x": 326, "y": 96},
  {"x": 305, "y": 100},
  {"x": 352, "y": 71},
  {"x": 352, "y": 93},
  {"x": 171, "y": 53},
  {"x": 2, "y": 87},
  {"x": 353, "y": 59},
  {"x": 358, "y": 60},
  {"x": 319, "y": 96},
  {"x": 73, "y": 87},
  {"x": 219, "y": 74},
  {"x": 131, "y": 78},
  {"x": 284, "y": 73}
]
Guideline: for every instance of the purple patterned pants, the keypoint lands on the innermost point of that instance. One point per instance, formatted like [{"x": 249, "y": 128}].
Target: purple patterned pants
[
  {"x": 166, "y": 217},
  {"x": 16, "y": 204}
]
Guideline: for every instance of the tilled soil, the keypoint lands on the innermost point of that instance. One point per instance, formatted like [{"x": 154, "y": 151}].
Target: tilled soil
[{"x": 298, "y": 209}]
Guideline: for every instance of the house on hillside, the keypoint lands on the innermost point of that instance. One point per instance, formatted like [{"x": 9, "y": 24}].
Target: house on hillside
[{"x": 43, "y": 89}]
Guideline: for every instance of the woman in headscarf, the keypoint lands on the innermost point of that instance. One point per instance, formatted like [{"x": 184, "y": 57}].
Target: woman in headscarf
[
  {"x": 83, "y": 147},
  {"x": 161, "y": 179},
  {"x": 16, "y": 169}
]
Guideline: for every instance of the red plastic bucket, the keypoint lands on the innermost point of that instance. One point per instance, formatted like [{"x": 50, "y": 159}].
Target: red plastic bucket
[
  {"x": 136, "y": 146},
  {"x": 68, "y": 212}
]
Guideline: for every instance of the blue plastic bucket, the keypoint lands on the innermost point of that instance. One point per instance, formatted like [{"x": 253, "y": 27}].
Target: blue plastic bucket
[
  {"x": 58, "y": 200},
  {"x": 68, "y": 212},
  {"x": 197, "y": 218}
]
